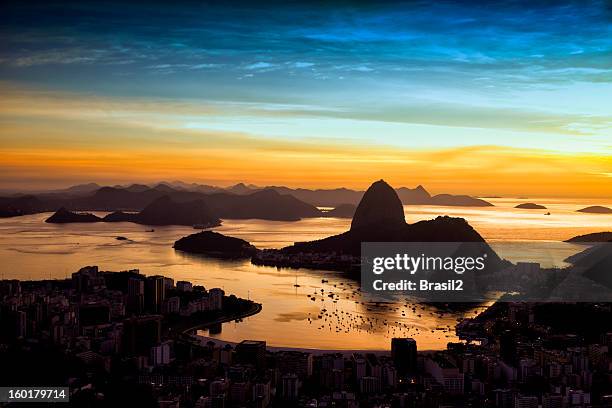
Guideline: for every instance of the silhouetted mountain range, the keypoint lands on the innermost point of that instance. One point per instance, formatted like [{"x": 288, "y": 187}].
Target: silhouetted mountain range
[
  {"x": 337, "y": 196},
  {"x": 165, "y": 211},
  {"x": 238, "y": 201},
  {"x": 22, "y": 205},
  {"x": 264, "y": 204},
  {"x": 162, "y": 211}
]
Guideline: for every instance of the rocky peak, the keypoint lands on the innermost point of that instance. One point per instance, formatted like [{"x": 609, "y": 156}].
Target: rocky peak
[{"x": 379, "y": 206}]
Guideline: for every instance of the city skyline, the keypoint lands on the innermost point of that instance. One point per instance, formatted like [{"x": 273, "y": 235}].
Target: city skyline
[{"x": 503, "y": 99}]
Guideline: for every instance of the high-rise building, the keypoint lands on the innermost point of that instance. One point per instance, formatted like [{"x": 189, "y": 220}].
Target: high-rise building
[
  {"x": 168, "y": 282},
  {"x": 522, "y": 401},
  {"x": 295, "y": 362},
  {"x": 552, "y": 401},
  {"x": 389, "y": 376},
  {"x": 155, "y": 293},
  {"x": 160, "y": 354},
  {"x": 171, "y": 305},
  {"x": 261, "y": 393},
  {"x": 504, "y": 398},
  {"x": 215, "y": 297},
  {"x": 290, "y": 387},
  {"x": 135, "y": 296},
  {"x": 446, "y": 374},
  {"x": 369, "y": 385},
  {"x": 359, "y": 365},
  {"x": 9, "y": 288},
  {"x": 93, "y": 314},
  {"x": 140, "y": 334},
  {"x": 87, "y": 280},
  {"x": 252, "y": 352},
  {"x": 404, "y": 355},
  {"x": 184, "y": 286}
]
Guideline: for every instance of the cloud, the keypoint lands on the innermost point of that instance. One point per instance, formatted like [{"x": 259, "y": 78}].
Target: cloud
[
  {"x": 258, "y": 66},
  {"x": 51, "y": 58},
  {"x": 299, "y": 64}
]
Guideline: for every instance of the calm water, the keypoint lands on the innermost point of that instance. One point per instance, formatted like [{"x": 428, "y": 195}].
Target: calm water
[{"x": 337, "y": 318}]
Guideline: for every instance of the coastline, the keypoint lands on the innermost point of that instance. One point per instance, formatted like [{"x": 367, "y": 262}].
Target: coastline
[
  {"x": 254, "y": 309},
  {"x": 313, "y": 351}
]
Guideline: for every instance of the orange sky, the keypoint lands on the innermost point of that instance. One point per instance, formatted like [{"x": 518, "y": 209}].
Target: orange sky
[{"x": 53, "y": 140}]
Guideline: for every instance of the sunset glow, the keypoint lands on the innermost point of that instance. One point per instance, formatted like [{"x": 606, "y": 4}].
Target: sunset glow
[{"x": 512, "y": 106}]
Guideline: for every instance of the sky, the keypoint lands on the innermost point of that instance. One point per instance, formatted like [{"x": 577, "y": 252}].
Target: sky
[{"x": 487, "y": 98}]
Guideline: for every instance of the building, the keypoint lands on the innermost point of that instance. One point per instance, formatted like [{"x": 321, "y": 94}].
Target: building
[
  {"x": 184, "y": 286},
  {"x": 404, "y": 355},
  {"x": 93, "y": 314},
  {"x": 525, "y": 402},
  {"x": 135, "y": 296},
  {"x": 215, "y": 296},
  {"x": 252, "y": 352},
  {"x": 578, "y": 397},
  {"x": 290, "y": 387},
  {"x": 168, "y": 283},
  {"x": 389, "y": 376},
  {"x": 261, "y": 393},
  {"x": 552, "y": 401},
  {"x": 446, "y": 374},
  {"x": 155, "y": 293},
  {"x": 140, "y": 334},
  {"x": 161, "y": 354},
  {"x": 171, "y": 305},
  {"x": 294, "y": 362},
  {"x": 359, "y": 366},
  {"x": 373, "y": 365},
  {"x": 88, "y": 280},
  {"x": 369, "y": 385}
]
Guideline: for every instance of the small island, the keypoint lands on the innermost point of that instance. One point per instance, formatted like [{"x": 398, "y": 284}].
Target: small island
[
  {"x": 215, "y": 245},
  {"x": 592, "y": 238},
  {"x": 163, "y": 211},
  {"x": 596, "y": 209},
  {"x": 531, "y": 206},
  {"x": 63, "y": 216}
]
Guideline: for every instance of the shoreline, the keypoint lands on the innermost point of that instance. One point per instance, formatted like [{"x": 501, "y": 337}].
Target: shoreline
[
  {"x": 313, "y": 351},
  {"x": 254, "y": 309}
]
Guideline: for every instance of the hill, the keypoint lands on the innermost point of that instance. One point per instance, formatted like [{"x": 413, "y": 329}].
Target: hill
[
  {"x": 63, "y": 216},
  {"x": 214, "y": 244},
  {"x": 596, "y": 209},
  {"x": 593, "y": 237},
  {"x": 379, "y": 217},
  {"x": 531, "y": 206}
]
